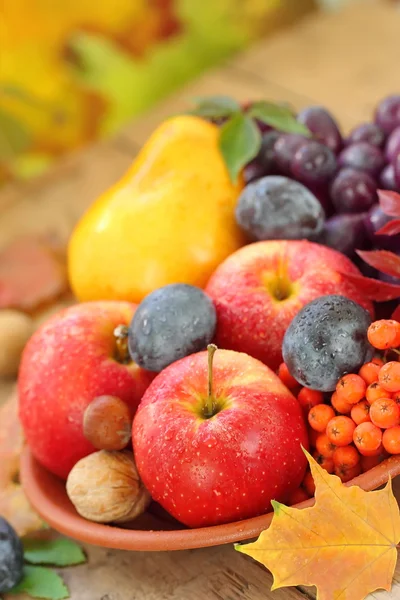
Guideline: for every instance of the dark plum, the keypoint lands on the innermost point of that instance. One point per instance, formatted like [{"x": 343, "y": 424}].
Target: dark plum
[
  {"x": 326, "y": 339},
  {"x": 392, "y": 148},
  {"x": 363, "y": 156},
  {"x": 254, "y": 170},
  {"x": 285, "y": 148},
  {"x": 313, "y": 164},
  {"x": 387, "y": 179},
  {"x": 344, "y": 233},
  {"x": 171, "y": 323},
  {"x": 353, "y": 191},
  {"x": 11, "y": 557},
  {"x": 322, "y": 125},
  {"x": 277, "y": 207},
  {"x": 367, "y": 132},
  {"x": 387, "y": 114}
]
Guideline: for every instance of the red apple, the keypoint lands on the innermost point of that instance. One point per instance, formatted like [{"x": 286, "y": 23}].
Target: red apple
[
  {"x": 260, "y": 288},
  {"x": 219, "y": 457},
  {"x": 69, "y": 361}
]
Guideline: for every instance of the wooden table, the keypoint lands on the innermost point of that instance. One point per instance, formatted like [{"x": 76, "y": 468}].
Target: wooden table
[{"x": 344, "y": 61}]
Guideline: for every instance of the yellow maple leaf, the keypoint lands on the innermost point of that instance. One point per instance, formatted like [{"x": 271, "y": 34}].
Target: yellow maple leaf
[{"x": 345, "y": 544}]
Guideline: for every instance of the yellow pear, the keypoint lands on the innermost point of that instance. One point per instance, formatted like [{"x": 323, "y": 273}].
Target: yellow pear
[{"x": 170, "y": 219}]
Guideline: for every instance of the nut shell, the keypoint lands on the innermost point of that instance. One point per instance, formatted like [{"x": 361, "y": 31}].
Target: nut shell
[{"x": 105, "y": 487}]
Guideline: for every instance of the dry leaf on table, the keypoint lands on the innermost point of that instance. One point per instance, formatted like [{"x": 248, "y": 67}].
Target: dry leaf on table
[
  {"x": 13, "y": 503},
  {"x": 345, "y": 544}
]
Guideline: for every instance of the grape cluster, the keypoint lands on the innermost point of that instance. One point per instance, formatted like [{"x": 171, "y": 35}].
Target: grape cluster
[{"x": 343, "y": 173}]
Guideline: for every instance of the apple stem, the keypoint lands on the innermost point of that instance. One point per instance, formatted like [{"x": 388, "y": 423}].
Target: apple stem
[
  {"x": 211, "y": 349},
  {"x": 121, "y": 342}
]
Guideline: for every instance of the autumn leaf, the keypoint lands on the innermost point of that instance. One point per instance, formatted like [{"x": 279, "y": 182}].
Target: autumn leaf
[
  {"x": 374, "y": 289},
  {"x": 345, "y": 544},
  {"x": 383, "y": 260},
  {"x": 390, "y": 228},
  {"x": 389, "y": 202},
  {"x": 14, "y": 505}
]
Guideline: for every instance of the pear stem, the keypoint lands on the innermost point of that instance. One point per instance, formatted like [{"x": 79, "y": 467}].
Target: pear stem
[
  {"x": 121, "y": 342},
  {"x": 211, "y": 349}
]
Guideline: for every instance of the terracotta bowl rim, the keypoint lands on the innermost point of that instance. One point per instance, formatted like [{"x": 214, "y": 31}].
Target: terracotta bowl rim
[{"x": 48, "y": 497}]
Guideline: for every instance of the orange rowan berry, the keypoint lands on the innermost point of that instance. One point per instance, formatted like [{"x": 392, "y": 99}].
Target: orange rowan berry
[
  {"x": 340, "y": 405},
  {"x": 369, "y": 372},
  {"x": 347, "y": 474},
  {"x": 376, "y": 391},
  {"x": 308, "y": 484},
  {"x": 319, "y": 416},
  {"x": 367, "y": 438},
  {"x": 377, "y": 452},
  {"x": 377, "y": 361},
  {"x": 360, "y": 412},
  {"x": 286, "y": 378},
  {"x": 324, "y": 445},
  {"x": 309, "y": 398},
  {"x": 299, "y": 495},
  {"x": 385, "y": 413},
  {"x": 391, "y": 440},
  {"x": 324, "y": 462},
  {"x": 346, "y": 456},
  {"x": 384, "y": 334},
  {"x": 351, "y": 388},
  {"x": 389, "y": 376},
  {"x": 340, "y": 430}
]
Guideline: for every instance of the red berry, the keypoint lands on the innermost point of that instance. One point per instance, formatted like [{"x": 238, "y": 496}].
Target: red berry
[
  {"x": 351, "y": 388},
  {"x": 367, "y": 438},
  {"x": 340, "y": 405},
  {"x": 347, "y": 474},
  {"x": 299, "y": 495},
  {"x": 389, "y": 376},
  {"x": 309, "y": 398},
  {"x": 369, "y": 372},
  {"x": 375, "y": 391},
  {"x": 325, "y": 462},
  {"x": 391, "y": 440},
  {"x": 346, "y": 457},
  {"x": 286, "y": 377},
  {"x": 308, "y": 484},
  {"x": 319, "y": 416},
  {"x": 385, "y": 413},
  {"x": 324, "y": 446},
  {"x": 360, "y": 412},
  {"x": 384, "y": 334},
  {"x": 340, "y": 430}
]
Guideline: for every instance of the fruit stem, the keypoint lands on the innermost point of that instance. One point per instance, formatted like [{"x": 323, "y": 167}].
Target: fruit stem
[
  {"x": 209, "y": 409},
  {"x": 121, "y": 342}
]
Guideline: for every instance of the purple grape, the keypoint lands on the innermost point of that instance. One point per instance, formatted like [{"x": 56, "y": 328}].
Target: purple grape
[
  {"x": 367, "y": 132},
  {"x": 264, "y": 163},
  {"x": 387, "y": 179},
  {"x": 285, "y": 148},
  {"x": 322, "y": 125},
  {"x": 392, "y": 148},
  {"x": 387, "y": 114},
  {"x": 362, "y": 156},
  {"x": 253, "y": 170},
  {"x": 397, "y": 170},
  {"x": 314, "y": 163},
  {"x": 344, "y": 233},
  {"x": 353, "y": 191}
]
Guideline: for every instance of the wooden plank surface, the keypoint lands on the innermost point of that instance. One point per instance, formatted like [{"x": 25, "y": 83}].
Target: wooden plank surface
[{"x": 345, "y": 61}]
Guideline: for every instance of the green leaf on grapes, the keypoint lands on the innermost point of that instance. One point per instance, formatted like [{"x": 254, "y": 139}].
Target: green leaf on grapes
[
  {"x": 40, "y": 582},
  {"x": 60, "y": 552},
  {"x": 239, "y": 142},
  {"x": 14, "y": 138},
  {"x": 215, "y": 107},
  {"x": 278, "y": 116}
]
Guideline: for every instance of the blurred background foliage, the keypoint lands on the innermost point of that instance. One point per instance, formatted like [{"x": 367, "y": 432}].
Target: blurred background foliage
[{"x": 73, "y": 71}]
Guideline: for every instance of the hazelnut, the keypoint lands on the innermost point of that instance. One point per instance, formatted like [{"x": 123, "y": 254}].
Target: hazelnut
[
  {"x": 105, "y": 487},
  {"x": 15, "y": 330},
  {"x": 107, "y": 423}
]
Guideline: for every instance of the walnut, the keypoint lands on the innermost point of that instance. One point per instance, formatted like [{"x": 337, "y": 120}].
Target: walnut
[{"x": 105, "y": 487}]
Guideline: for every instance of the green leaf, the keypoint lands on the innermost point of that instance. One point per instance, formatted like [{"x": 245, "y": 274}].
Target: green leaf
[
  {"x": 216, "y": 106},
  {"x": 278, "y": 116},
  {"x": 40, "y": 582},
  {"x": 60, "y": 552},
  {"x": 239, "y": 142},
  {"x": 14, "y": 138}
]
